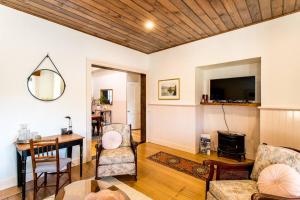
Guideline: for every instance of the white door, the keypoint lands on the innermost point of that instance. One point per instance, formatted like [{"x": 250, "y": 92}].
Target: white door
[{"x": 134, "y": 104}]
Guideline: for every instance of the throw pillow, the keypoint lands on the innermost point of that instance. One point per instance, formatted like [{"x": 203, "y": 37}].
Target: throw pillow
[
  {"x": 280, "y": 180},
  {"x": 123, "y": 129},
  {"x": 111, "y": 140}
]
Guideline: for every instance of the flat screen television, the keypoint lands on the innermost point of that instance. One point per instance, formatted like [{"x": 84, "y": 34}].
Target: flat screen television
[{"x": 239, "y": 89}]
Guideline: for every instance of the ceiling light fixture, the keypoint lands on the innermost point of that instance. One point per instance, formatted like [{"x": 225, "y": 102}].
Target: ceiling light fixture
[{"x": 149, "y": 25}]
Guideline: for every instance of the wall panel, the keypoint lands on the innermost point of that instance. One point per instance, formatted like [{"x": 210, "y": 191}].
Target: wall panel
[{"x": 280, "y": 127}]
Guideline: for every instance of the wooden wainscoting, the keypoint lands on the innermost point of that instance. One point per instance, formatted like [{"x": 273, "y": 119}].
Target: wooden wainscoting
[
  {"x": 280, "y": 127},
  {"x": 242, "y": 119}
]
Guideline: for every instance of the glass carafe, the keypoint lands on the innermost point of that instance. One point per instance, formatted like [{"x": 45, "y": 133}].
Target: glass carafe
[{"x": 24, "y": 132}]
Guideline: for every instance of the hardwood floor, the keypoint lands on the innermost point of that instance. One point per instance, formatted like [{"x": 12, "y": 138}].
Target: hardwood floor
[
  {"x": 154, "y": 180},
  {"x": 93, "y": 146},
  {"x": 136, "y": 135}
]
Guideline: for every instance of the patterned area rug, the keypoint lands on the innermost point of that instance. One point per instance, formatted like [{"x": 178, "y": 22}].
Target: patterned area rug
[{"x": 181, "y": 164}]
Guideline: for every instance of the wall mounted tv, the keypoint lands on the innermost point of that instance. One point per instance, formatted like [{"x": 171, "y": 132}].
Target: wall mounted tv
[{"x": 239, "y": 89}]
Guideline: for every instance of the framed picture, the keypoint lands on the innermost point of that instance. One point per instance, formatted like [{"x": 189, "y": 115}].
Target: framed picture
[{"x": 169, "y": 89}]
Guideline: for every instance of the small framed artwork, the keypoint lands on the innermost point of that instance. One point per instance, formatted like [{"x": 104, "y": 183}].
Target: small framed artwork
[{"x": 169, "y": 89}]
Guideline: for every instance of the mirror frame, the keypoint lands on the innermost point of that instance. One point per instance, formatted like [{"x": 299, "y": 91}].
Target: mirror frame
[
  {"x": 51, "y": 71},
  {"x": 112, "y": 95}
]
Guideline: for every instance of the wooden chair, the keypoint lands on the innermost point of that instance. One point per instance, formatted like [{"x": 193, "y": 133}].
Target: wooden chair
[{"x": 45, "y": 160}]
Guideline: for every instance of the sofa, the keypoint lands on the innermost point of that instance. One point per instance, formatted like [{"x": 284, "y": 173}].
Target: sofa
[{"x": 239, "y": 181}]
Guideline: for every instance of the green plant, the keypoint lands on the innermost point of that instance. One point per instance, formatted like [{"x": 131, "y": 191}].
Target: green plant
[{"x": 103, "y": 100}]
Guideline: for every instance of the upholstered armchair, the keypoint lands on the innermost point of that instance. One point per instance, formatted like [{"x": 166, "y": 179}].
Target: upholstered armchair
[
  {"x": 239, "y": 181},
  {"x": 119, "y": 161}
]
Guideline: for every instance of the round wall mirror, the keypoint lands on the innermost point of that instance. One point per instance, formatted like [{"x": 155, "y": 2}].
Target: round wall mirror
[{"x": 46, "y": 85}]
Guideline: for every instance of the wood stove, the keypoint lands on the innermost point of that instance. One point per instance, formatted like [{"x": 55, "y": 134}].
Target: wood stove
[{"x": 231, "y": 145}]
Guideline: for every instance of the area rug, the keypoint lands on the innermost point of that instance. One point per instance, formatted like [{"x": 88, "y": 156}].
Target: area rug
[
  {"x": 131, "y": 192},
  {"x": 186, "y": 166}
]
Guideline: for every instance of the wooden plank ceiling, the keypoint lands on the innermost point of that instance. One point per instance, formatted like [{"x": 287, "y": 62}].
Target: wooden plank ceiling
[{"x": 176, "y": 21}]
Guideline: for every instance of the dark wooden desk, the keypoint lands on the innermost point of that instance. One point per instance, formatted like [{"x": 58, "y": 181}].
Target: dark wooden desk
[
  {"x": 96, "y": 125},
  {"x": 103, "y": 114},
  {"x": 101, "y": 119},
  {"x": 23, "y": 151}
]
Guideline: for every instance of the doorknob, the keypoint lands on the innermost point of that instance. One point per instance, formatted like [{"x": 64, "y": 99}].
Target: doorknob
[{"x": 128, "y": 110}]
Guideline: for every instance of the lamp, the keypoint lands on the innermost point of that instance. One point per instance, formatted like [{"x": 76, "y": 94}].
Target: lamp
[{"x": 69, "y": 131}]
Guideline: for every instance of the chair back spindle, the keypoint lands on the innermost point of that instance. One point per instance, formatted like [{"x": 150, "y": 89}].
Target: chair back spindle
[
  {"x": 43, "y": 151},
  {"x": 45, "y": 160}
]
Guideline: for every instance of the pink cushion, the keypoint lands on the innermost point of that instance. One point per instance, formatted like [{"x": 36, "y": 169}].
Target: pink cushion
[
  {"x": 111, "y": 140},
  {"x": 280, "y": 180}
]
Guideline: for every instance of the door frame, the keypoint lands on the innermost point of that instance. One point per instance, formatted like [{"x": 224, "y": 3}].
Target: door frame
[{"x": 96, "y": 64}]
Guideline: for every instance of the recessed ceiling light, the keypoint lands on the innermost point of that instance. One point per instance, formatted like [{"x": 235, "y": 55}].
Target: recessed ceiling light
[{"x": 149, "y": 25}]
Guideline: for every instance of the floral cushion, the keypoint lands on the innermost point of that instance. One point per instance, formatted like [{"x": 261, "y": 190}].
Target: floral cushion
[
  {"x": 209, "y": 196},
  {"x": 116, "y": 156},
  {"x": 232, "y": 189},
  {"x": 268, "y": 155},
  {"x": 123, "y": 129},
  {"x": 116, "y": 169}
]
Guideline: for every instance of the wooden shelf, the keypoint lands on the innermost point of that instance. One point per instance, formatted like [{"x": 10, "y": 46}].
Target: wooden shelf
[{"x": 232, "y": 104}]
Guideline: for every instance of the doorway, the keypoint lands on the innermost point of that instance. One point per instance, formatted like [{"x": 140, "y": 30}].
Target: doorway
[
  {"x": 127, "y": 105},
  {"x": 133, "y": 91},
  {"x": 134, "y": 105}
]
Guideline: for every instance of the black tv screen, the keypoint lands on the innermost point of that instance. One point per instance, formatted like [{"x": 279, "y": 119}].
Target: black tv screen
[{"x": 233, "y": 89}]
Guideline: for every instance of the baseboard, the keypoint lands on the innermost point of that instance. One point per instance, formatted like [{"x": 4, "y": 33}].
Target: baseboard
[
  {"x": 8, "y": 182},
  {"x": 12, "y": 181},
  {"x": 173, "y": 145}
]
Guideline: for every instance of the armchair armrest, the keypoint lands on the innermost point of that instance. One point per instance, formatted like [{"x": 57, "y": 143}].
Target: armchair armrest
[
  {"x": 134, "y": 146},
  {"x": 225, "y": 171},
  {"x": 133, "y": 143},
  {"x": 261, "y": 196},
  {"x": 99, "y": 148}
]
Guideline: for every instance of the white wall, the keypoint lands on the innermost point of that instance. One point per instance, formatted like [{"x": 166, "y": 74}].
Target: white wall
[
  {"x": 240, "y": 119},
  {"x": 231, "y": 71},
  {"x": 172, "y": 126},
  {"x": 276, "y": 42},
  {"x": 280, "y": 127},
  {"x": 24, "y": 41},
  {"x": 115, "y": 80},
  {"x": 132, "y": 77}
]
